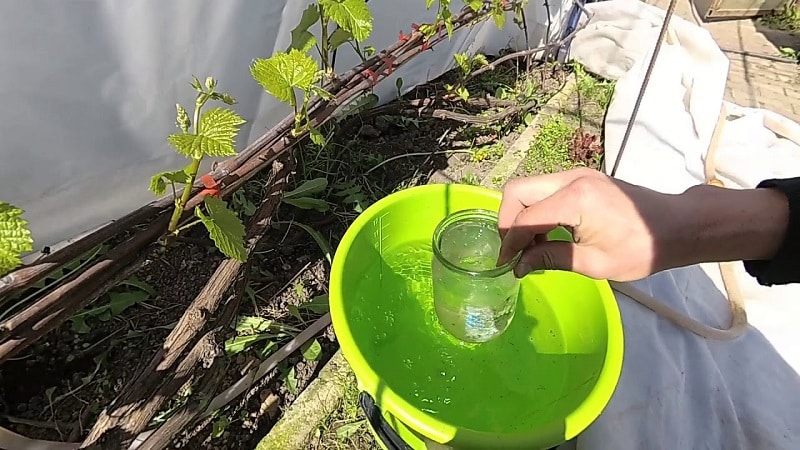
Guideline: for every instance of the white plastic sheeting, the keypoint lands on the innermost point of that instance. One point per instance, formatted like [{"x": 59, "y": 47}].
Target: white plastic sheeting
[
  {"x": 89, "y": 88},
  {"x": 678, "y": 390}
]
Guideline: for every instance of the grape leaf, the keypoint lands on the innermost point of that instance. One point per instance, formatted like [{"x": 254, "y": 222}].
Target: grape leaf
[
  {"x": 224, "y": 227},
  {"x": 15, "y": 238},
  {"x": 302, "y": 39},
  {"x": 339, "y": 37},
  {"x": 282, "y": 72},
  {"x": 351, "y": 15},
  {"x": 474, "y": 5},
  {"x": 158, "y": 184},
  {"x": 218, "y": 127}
]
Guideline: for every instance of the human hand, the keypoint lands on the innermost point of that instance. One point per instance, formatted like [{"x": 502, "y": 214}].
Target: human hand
[{"x": 621, "y": 231}]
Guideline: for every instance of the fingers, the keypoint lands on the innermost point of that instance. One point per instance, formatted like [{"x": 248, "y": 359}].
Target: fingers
[
  {"x": 536, "y": 220},
  {"x": 551, "y": 255},
  {"x": 524, "y": 192}
]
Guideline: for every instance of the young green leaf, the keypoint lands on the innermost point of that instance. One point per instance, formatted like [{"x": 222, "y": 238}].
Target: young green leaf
[
  {"x": 79, "y": 325},
  {"x": 312, "y": 350},
  {"x": 302, "y": 39},
  {"x": 351, "y": 15},
  {"x": 474, "y": 5},
  {"x": 498, "y": 13},
  {"x": 291, "y": 381},
  {"x": 120, "y": 301},
  {"x": 309, "y": 187},
  {"x": 15, "y": 238},
  {"x": 218, "y": 428},
  {"x": 462, "y": 60},
  {"x": 294, "y": 312},
  {"x": 478, "y": 60},
  {"x": 138, "y": 284},
  {"x": 239, "y": 344},
  {"x": 429, "y": 3},
  {"x": 218, "y": 127},
  {"x": 345, "y": 431},
  {"x": 317, "y": 305},
  {"x": 158, "y": 184},
  {"x": 339, "y": 37},
  {"x": 317, "y": 137},
  {"x": 281, "y": 73},
  {"x": 308, "y": 203},
  {"x": 252, "y": 325},
  {"x": 196, "y": 84},
  {"x": 323, "y": 243},
  {"x": 224, "y": 97},
  {"x": 224, "y": 227},
  {"x": 462, "y": 93}
]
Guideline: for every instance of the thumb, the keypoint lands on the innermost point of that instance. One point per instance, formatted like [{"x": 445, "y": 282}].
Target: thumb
[{"x": 548, "y": 255}]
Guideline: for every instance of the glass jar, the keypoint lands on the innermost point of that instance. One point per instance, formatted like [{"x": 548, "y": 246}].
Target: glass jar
[{"x": 475, "y": 300}]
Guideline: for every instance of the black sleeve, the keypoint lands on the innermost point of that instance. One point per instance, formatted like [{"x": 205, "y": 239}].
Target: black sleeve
[{"x": 784, "y": 267}]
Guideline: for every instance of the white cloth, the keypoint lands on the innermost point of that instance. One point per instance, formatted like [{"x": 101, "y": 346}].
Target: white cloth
[
  {"x": 678, "y": 390},
  {"x": 89, "y": 89}
]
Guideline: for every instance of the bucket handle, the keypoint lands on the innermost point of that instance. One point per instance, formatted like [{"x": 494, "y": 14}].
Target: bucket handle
[{"x": 387, "y": 435}]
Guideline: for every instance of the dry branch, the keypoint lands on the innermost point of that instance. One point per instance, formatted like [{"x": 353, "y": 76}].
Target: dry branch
[
  {"x": 144, "y": 395},
  {"x": 209, "y": 381}
]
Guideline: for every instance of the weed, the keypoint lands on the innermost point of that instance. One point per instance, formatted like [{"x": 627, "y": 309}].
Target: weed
[
  {"x": 470, "y": 178},
  {"x": 787, "y": 19},
  {"x": 118, "y": 301},
  {"x": 790, "y": 53},
  {"x": 585, "y": 149},
  {"x": 466, "y": 65},
  {"x": 550, "y": 151},
  {"x": 488, "y": 152},
  {"x": 591, "y": 88},
  {"x": 15, "y": 237}
]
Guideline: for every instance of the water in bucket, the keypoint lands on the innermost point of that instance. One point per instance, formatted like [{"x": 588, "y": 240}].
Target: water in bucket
[{"x": 475, "y": 300}]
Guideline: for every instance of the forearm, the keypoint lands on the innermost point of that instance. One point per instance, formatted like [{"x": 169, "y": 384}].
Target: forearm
[{"x": 717, "y": 224}]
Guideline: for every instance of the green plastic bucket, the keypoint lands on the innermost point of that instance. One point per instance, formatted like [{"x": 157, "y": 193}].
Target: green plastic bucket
[{"x": 539, "y": 384}]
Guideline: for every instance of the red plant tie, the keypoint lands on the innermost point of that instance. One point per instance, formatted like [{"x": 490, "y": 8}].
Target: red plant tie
[
  {"x": 371, "y": 74},
  {"x": 389, "y": 65},
  {"x": 212, "y": 187}
]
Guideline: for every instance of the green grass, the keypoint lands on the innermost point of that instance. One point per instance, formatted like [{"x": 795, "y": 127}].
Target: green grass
[
  {"x": 787, "y": 19},
  {"x": 346, "y": 428},
  {"x": 549, "y": 152},
  {"x": 593, "y": 89}
]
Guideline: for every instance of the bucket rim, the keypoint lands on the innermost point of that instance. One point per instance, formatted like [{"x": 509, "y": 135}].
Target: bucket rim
[{"x": 428, "y": 425}]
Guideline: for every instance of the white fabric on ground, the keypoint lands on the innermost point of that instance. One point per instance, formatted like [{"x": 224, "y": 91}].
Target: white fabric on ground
[{"x": 678, "y": 390}]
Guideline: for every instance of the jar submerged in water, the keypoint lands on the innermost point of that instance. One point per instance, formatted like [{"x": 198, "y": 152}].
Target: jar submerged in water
[{"x": 474, "y": 299}]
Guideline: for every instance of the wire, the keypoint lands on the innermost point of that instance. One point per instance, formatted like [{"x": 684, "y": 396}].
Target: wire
[{"x": 656, "y": 50}]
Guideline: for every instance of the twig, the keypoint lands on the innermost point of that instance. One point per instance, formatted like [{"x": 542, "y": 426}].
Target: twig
[
  {"x": 22, "y": 330},
  {"x": 524, "y": 53},
  {"x": 406, "y": 155},
  {"x": 131, "y": 411},
  {"x": 162, "y": 436},
  {"x": 38, "y": 423},
  {"x": 244, "y": 383}
]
